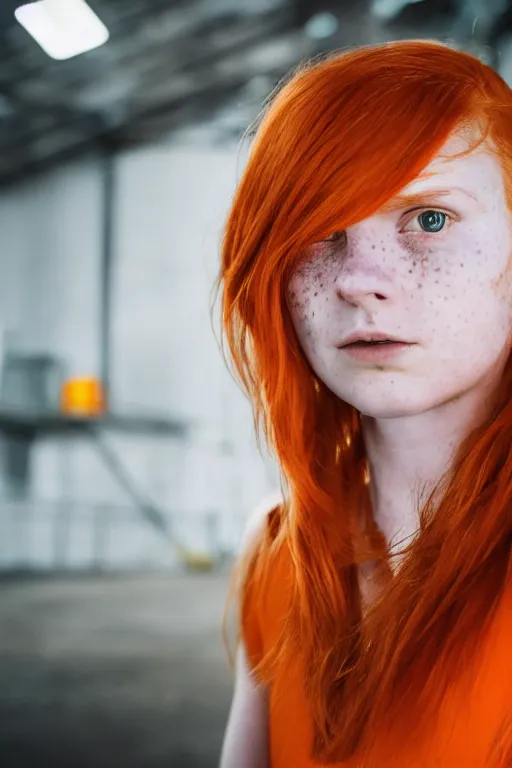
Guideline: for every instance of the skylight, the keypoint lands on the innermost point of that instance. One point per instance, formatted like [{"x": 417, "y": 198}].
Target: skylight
[{"x": 63, "y": 28}]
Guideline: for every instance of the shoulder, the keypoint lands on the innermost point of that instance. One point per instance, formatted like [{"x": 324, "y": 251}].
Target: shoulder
[
  {"x": 265, "y": 554},
  {"x": 261, "y": 570},
  {"x": 261, "y": 519},
  {"x": 257, "y": 561}
]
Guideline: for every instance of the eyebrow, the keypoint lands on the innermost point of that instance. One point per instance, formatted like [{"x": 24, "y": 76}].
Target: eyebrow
[{"x": 429, "y": 196}]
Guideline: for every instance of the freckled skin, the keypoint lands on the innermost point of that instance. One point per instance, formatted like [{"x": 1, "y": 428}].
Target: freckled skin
[{"x": 448, "y": 292}]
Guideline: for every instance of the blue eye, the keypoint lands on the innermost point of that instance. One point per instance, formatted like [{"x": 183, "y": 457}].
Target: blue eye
[{"x": 432, "y": 221}]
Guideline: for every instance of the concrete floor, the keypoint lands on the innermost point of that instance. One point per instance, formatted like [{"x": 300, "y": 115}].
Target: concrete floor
[{"x": 117, "y": 671}]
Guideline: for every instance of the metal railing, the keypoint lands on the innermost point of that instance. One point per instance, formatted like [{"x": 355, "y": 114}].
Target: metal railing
[{"x": 67, "y": 534}]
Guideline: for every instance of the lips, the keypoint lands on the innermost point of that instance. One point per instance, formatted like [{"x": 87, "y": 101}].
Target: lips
[
  {"x": 365, "y": 339},
  {"x": 372, "y": 349},
  {"x": 371, "y": 343}
]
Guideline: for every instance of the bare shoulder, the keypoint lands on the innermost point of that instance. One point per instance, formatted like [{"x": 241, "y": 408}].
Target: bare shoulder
[
  {"x": 258, "y": 518},
  {"x": 246, "y": 741}
]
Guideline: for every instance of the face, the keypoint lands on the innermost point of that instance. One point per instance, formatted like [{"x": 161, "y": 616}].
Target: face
[{"x": 430, "y": 272}]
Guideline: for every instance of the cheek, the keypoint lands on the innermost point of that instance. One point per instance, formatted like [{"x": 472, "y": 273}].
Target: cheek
[
  {"x": 299, "y": 302},
  {"x": 468, "y": 315},
  {"x": 418, "y": 257},
  {"x": 462, "y": 264},
  {"x": 309, "y": 309},
  {"x": 308, "y": 294}
]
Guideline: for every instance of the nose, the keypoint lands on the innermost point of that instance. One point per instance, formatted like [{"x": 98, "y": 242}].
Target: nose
[
  {"x": 363, "y": 288},
  {"x": 365, "y": 278}
]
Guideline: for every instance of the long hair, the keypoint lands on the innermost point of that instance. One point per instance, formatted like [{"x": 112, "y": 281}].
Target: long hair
[{"x": 336, "y": 142}]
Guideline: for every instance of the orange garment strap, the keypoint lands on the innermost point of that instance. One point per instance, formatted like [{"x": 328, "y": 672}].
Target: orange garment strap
[{"x": 252, "y": 630}]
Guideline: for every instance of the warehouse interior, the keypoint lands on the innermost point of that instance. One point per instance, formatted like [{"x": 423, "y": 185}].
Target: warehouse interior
[{"x": 128, "y": 462}]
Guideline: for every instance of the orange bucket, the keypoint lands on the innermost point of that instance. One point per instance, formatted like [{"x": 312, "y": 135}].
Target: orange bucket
[{"x": 83, "y": 397}]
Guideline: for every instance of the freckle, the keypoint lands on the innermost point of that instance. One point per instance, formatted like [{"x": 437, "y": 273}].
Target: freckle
[
  {"x": 410, "y": 271},
  {"x": 316, "y": 294}
]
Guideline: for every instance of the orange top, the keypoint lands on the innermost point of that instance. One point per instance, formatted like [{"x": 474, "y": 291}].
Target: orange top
[{"x": 472, "y": 724}]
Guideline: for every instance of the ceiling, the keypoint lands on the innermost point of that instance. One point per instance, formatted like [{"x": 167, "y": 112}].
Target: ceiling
[{"x": 197, "y": 70}]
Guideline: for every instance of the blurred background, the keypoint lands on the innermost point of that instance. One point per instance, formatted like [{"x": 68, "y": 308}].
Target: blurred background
[{"x": 127, "y": 458}]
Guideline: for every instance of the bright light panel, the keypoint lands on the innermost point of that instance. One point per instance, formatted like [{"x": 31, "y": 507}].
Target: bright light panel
[{"x": 63, "y": 28}]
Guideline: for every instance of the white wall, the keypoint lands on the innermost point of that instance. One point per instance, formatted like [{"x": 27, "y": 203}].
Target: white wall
[
  {"x": 169, "y": 212},
  {"x": 49, "y": 263}
]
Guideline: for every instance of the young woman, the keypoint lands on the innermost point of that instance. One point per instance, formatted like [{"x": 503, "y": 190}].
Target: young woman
[{"x": 367, "y": 302}]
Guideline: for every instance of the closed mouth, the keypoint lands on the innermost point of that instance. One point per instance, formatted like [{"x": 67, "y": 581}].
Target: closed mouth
[
  {"x": 364, "y": 343},
  {"x": 370, "y": 338}
]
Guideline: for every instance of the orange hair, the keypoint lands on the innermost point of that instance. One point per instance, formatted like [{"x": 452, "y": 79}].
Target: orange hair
[{"x": 337, "y": 142}]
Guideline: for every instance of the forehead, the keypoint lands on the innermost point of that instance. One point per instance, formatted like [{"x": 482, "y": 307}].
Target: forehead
[{"x": 479, "y": 171}]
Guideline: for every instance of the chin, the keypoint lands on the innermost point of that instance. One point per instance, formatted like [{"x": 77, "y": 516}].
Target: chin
[
  {"x": 387, "y": 405},
  {"x": 387, "y": 411}
]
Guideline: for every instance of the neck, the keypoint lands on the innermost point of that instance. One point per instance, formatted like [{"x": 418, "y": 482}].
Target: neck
[{"x": 407, "y": 458}]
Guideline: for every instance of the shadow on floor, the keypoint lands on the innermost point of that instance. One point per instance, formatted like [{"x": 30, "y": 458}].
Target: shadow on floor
[{"x": 119, "y": 672}]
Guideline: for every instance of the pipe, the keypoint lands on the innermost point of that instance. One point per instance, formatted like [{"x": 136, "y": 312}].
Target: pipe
[{"x": 106, "y": 265}]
